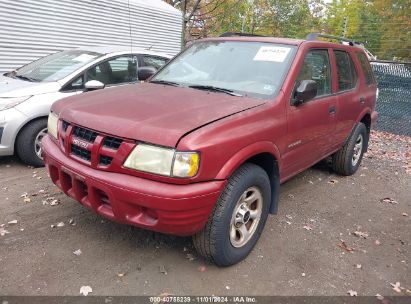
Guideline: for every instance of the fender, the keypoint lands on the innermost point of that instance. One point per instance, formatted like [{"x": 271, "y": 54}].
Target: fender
[
  {"x": 362, "y": 114},
  {"x": 246, "y": 153},
  {"x": 241, "y": 156}
]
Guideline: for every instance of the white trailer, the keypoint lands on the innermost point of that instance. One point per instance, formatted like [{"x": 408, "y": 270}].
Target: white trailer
[{"x": 30, "y": 29}]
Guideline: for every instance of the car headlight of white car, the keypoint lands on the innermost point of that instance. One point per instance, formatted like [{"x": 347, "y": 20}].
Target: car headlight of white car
[
  {"x": 52, "y": 125},
  {"x": 10, "y": 102},
  {"x": 163, "y": 161}
]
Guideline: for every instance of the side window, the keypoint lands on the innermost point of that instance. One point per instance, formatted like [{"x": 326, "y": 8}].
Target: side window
[
  {"x": 154, "y": 61},
  {"x": 346, "y": 74},
  {"x": 316, "y": 67},
  {"x": 119, "y": 70},
  {"x": 366, "y": 67},
  {"x": 76, "y": 84}
]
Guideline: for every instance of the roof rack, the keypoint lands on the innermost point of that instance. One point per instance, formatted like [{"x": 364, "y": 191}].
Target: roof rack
[
  {"x": 315, "y": 36},
  {"x": 236, "y": 34}
]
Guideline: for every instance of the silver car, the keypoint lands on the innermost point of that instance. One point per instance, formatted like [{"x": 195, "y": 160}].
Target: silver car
[{"x": 27, "y": 93}]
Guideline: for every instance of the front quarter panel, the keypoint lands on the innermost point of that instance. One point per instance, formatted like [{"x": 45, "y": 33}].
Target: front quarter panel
[{"x": 226, "y": 144}]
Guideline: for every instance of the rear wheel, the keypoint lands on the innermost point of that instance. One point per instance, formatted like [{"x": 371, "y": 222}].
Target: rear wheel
[
  {"x": 238, "y": 218},
  {"x": 348, "y": 159},
  {"x": 28, "y": 145}
]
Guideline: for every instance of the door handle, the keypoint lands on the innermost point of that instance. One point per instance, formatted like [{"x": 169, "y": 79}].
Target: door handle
[
  {"x": 332, "y": 110},
  {"x": 362, "y": 99}
]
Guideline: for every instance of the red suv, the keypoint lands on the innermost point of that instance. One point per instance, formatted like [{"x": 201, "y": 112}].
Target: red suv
[{"x": 202, "y": 147}]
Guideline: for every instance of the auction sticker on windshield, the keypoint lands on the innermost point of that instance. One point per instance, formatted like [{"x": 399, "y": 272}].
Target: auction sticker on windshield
[{"x": 272, "y": 53}]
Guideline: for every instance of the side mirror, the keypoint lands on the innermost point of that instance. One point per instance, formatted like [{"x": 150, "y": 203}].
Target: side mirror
[
  {"x": 146, "y": 72},
  {"x": 94, "y": 85},
  {"x": 305, "y": 91}
]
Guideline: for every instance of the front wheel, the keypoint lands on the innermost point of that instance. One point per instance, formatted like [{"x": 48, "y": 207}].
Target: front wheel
[
  {"x": 28, "y": 143},
  {"x": 238, "y": 218},
  {"x": 348, "y": 159}
]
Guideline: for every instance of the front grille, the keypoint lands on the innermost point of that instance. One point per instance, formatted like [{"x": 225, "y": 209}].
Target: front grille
[
  {"x": 105, "y": 146},
  {"x": 112, "y": 142},
  {"x": 80, "y": 152},
  {"x": 105, "y": 160},
  {"x": 85, "y": 134}
]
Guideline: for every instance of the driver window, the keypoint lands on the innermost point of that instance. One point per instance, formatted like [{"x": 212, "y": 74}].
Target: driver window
[
  {"x": 119, "y": 70},
  {"x": 316, "y": 67}
]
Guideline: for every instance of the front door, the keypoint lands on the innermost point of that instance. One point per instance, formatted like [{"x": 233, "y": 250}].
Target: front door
[{"x": 310, "y": 125}]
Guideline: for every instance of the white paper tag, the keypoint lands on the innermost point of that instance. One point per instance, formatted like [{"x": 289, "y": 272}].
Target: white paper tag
[
  {"x": 84, "y": 58},
  {"x": 272, "y": 53}
]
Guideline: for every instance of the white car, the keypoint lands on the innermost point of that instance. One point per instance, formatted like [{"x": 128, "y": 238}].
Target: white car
[{"x": 27, "y": 93}]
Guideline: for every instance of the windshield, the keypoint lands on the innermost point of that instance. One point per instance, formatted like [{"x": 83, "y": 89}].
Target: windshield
[
  {"x": 245, "y": 68},
  {"x": 54, "y": 67}
]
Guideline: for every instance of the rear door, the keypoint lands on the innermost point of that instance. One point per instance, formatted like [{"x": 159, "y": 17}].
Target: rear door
[
  {"x": 350, "y": 101},
  {"x": 311, "y": 124}
]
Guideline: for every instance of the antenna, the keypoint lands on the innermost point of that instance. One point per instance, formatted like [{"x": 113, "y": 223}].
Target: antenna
[{"x": 129, "y": 24}]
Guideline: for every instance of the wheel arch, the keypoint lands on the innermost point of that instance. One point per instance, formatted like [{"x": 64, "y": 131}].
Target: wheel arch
[
  {"x": 267, "y": 156},
  {"x": 24, "y": 125}
]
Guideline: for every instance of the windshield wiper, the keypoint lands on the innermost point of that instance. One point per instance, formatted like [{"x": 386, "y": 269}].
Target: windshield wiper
[
  {"x": 166, "y": 82},
  {"x": 26, "y": 78},
  {"x": 215, "y": 89}
]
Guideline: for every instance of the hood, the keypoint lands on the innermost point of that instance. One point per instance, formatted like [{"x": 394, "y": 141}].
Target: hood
[
  {"x": 151, "y": 113},
  {"x": 14, "y": 87}
]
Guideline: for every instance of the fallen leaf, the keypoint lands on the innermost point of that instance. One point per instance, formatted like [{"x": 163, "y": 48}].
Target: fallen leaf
[
  {"x": 163, "y": 270},
  {"x": 25, "y": 194},
  {"x": 227, "y": 287},
  {"x": 404, "y": 214},
  {"x": 202, "y": 268},
  {"x": 3, "y": 231},
  {"x": 308, "y": 227},
  {"x": 120, "y": 275},
  {"x": 27, "y": 200},
  {"x": 389, "y": 200},
  {"x": 61, "y": 224},
  {"x": 333, "y": 181},
  {"x": 303, "y": 274},
  {"x": 396, "y": 287},
  {"x": 71, "y": 222},
  {"x": 352, "y": 293},
  {"x": 190, "y": 257},
  {"x": 54, "y": 202},
  {"x": 344, "y": 246},
  {"x": 289, "y": 217},
  {"x": 379, "y": 297},
  {"x": 291, "y": 196},
  {"x": 77, "y": 252},
  {"x": 13, "y": 222},
  {"x": 358, "y": 266},
  {"x": 85, "y": 290},
  {"x": 377, "y": 242},
  {"x": 363, "y": 235}
]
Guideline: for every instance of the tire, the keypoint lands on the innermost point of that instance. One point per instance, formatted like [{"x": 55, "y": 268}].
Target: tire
[
  {"x": 214, "y": 242},
  {"x": 27, "y": 144},
  {"x": 348, "y": 159}
]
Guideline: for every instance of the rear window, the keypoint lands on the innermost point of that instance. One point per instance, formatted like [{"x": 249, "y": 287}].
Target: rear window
[
  {"x": 347, "y": 76},
  {"x": 366, "y": 67}
]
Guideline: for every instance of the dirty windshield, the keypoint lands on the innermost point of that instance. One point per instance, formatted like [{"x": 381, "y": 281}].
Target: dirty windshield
[{"x": 241, "y": 68}]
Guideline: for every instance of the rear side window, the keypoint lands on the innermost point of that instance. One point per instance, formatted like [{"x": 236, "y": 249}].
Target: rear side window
[
  {"x": 366, "y": 67},
  {"x": 316, "y": 67},
  {"x": 347, "y": 76}
]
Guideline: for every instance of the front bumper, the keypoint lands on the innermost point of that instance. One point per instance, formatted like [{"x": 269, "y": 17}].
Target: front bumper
[{"x": 172, "y": 209}]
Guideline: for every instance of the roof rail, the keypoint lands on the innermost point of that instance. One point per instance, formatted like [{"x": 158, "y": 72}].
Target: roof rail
[
  {"x": 236, "y": 34},
  {"x": 315, "y": 36}
]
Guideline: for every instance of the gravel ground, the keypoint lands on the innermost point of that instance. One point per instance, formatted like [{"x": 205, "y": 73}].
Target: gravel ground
[{"x": 332, "y": 235}]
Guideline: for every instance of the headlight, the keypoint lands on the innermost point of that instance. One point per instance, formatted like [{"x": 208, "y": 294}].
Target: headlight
[
  {"x": 52, "y": 124},
  {"x": 163, "y": 161},
  {"x": 10, "y": 102}
]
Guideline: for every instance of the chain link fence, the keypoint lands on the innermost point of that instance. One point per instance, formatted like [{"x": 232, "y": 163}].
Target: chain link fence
[{"x": 394, "y": 100}]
